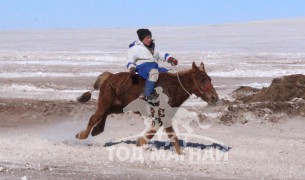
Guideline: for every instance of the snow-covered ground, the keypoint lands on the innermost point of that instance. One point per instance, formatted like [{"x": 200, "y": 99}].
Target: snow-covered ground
[
  {"x": 39, "y": 67},
  {"x": 262, "y": 50}
]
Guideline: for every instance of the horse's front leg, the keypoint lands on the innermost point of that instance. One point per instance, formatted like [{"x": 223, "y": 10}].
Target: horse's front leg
[{"x": 173, "y": 138}]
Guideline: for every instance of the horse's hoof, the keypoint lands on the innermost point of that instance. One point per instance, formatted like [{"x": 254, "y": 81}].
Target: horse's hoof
[
  {"x": 96, "y": 131},
  {"x": 77, "y": 136},
  {"x": 141, "y": 141},
  {"x": 180, "y": 153}
]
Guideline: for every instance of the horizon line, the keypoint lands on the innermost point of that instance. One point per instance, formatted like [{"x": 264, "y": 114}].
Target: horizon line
[{"x": 291, "y": 19}]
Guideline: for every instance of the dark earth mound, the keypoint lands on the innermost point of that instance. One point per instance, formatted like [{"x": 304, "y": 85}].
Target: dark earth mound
[
  {"x": 281, "y": 89},
  {"x": 285, "y": 97}
]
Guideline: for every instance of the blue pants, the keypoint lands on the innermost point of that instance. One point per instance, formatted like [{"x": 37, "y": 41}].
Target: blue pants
[{"x": 143, "y": 70}]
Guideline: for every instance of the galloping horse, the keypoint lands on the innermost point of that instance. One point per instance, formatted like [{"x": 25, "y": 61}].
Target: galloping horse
[{"x": 118, "y": 90}]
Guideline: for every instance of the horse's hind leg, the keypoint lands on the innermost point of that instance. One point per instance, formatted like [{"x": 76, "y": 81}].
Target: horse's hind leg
[
  {"x": 148, "y": 135},
  {"x": 93, "y": 120},
  {"x": 99, "y": 127},
  {"x": 105, "y": 99},
  {"x": 173, "y": 138},
  {"x": 145, "y": 139}
]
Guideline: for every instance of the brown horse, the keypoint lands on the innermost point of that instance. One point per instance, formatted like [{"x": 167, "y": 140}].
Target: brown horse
[{"x": 118, "y": 90}]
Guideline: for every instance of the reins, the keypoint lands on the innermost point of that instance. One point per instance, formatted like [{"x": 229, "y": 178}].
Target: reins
[
  {"x": 182, "y": 85},
  {"x": 180, "y": 81},
  {"x": 206, "y": 88}
]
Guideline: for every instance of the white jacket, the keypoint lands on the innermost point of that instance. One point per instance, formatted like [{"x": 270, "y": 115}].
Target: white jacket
[{"x": 138, "y": 54}]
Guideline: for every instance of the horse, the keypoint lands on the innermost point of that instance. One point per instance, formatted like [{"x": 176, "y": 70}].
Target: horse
[{"x": 117, "y": 90}]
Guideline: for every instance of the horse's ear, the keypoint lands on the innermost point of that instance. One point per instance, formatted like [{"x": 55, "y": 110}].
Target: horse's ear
[
  {"x": 194, "y": 67},
  {"x": 201, "y": 67}
]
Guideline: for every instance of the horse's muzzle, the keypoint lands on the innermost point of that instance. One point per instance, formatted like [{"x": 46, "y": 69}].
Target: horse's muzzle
[{"x": 213, "y": 99}]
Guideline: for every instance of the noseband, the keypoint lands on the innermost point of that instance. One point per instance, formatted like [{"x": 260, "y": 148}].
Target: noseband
[{"x": 205, "y": 88}]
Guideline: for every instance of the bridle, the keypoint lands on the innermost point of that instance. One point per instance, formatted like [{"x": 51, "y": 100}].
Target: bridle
[{"x": 204, "y": 89}]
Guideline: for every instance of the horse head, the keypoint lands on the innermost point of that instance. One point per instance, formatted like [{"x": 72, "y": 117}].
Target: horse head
[{"x": 202, "y": 84}]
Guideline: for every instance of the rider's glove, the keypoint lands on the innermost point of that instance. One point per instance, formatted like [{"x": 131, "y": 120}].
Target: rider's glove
[{"x": 172, "y": 61}]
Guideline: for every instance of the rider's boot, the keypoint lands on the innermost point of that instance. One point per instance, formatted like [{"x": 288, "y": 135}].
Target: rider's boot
[{"x": 149, "y": 93}]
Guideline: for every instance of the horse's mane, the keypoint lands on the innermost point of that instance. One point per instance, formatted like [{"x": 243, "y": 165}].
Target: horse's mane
[{"x": 180, "y": 73}]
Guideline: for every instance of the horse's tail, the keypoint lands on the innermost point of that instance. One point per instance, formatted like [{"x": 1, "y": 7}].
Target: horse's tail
[
  {"x": 101, "y": 79},
  {"x": 85, "y": 97}
]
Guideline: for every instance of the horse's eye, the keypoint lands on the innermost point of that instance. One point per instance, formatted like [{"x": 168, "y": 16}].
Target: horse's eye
[{"x": 201, "y": 78}]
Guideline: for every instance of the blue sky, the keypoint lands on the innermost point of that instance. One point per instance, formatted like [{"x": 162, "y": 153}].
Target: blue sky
[{"x": 61, "y": 14}]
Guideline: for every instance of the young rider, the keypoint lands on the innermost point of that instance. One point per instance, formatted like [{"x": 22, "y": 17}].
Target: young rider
[{"x": 143, "y": 59}]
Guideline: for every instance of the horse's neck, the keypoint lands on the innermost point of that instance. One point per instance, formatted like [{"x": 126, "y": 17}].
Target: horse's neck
[{"x": 176, "y": 93}]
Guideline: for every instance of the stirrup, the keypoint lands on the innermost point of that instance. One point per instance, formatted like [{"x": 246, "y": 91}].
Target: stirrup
[
  {"x": 152, "y": 99},
  {"x": 153, "y": 102}
]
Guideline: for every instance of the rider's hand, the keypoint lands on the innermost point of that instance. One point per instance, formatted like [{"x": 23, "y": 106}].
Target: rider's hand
[
  {"x": 133, "y": 75},
  {"x": 132, "y": 71},
  {"x": 173, "y": 61}
]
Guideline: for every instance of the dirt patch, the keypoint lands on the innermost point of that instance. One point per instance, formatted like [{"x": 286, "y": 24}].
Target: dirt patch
[
  {"x": 281, "y": 89},
  {"x": 263, "y": 111},
  {"x": 33, "y": 111},
  {"x": 243, "y": 91},
  {"x": 284, "y": 98}
]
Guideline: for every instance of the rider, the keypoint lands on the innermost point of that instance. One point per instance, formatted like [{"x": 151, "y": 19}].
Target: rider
[{"x": 143, "y": 59}]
